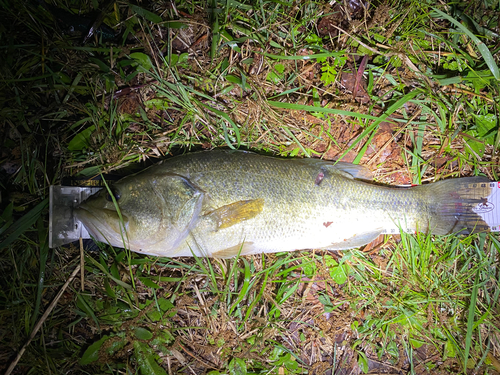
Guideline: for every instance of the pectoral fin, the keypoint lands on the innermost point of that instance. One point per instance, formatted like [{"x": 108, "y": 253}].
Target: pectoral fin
[{"x": 234, "y": 213}]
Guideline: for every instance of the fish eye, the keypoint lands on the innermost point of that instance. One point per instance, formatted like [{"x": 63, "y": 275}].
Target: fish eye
[{"x": 115, "y": 193}]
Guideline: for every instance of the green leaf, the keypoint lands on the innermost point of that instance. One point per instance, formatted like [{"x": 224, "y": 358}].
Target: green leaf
[
  {"x": 392, "y": 349},
  {"x": 165, "y": 304},
  {"x": 143, "y": 333},
  {"x": 329, "y": 74},
  {"x": 163, "y": 337},
  {"x": 290, "y": 291},
  {"x": 363, "y": 362},
  {"x": 181, "y": 59},
  {"x": 115, "y": 346},
  {"x": 154, "y": 315},
  {"x": 309, "y": 268},
  {"x": 274, "y": 77},
  {"x": 416, "y": 343},
  {"x": 146, "y": 14},
  {"x": 142, "y": 60},
  {"x": 81, "y": 140},
  {"x": 449, "y": 350},
  {"x": 280, "y": 68},
  {"x": 355, "y": 325},
  {"x": 486, "y": 126},
  {"x": 233, "y": 79},
  {"x": 313, "y": 39},
  {"x": 147, "y": 281},
  {"x": 146, "y": 360},
  {"x": 290, "y": 363},
  {"x": 82, "y": 301},
  {"x": 92, "y": 352},
  {"x": 326, "y": 302},
  {"x": 244, "y": 289},
  {"x": 109, "y": 291},
  {"x": 276, "y": 353},
  {"x": 480, "y": 79},
  {"x": 329, "y": 261},
  {"x": 237, "y": 366},
  {"x": 103, "y": 66},
  {"x": 176, "y": 25},
  {"x": 477, "y": 147},
  {"x": 339, "y": 274}
]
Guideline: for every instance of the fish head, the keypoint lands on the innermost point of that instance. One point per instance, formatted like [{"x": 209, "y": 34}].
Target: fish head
[{"x": 144, "y": 213}]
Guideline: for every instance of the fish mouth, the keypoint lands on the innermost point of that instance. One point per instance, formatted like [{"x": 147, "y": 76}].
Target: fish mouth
[{"x": 98, "y": 226}]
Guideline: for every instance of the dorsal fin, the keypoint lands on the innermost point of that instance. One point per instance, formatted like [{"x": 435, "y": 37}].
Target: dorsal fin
[
  {"x": 354, "y": 170},
  {"x": 348, "y": 170}
]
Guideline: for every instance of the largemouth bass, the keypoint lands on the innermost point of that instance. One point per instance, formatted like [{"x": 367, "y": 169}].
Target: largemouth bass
[{"x": 224, "y": 203}]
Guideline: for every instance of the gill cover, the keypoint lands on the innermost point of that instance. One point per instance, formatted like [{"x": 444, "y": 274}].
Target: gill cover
[{"x": 156, "y": 213}]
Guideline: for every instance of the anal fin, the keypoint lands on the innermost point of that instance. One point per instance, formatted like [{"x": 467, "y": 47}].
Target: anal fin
[
  {"x": 355, "y": 241},
  {"x": 244, "y": 248}
]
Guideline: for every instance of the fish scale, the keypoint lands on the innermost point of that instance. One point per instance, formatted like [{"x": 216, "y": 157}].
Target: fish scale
[{"x": 224, "y": 203}]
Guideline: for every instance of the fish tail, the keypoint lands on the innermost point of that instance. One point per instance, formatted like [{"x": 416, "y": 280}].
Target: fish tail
[{"x": 453, "y": 203}]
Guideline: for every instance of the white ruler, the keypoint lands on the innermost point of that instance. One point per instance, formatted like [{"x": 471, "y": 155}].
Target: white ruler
[{"x": 489, "y": 208}]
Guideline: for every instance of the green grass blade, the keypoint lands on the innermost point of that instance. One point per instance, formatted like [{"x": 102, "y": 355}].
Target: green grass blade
[
  {"x": 107, "y": 273},
  {"x": 485, "y": 52},
  {"x": 245, "y": 287},
  {"x": 372, "y": 128},
  {"x": 6, "y": 218},
  {"x": 24, "y": 223},
  {"x": 298, "y": 57},
  {"x": 309, "y": 108},
  {"x": 87, "y": 309},
  {"x": 44, "y": 253},
  {"x": 287, "y": 131},
  {"x": 470, "y": 320},
  {"x": 233, "y": 125}
]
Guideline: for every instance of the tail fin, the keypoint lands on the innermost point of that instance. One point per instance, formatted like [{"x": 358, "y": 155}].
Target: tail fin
[{"x": 453, "y": 201}]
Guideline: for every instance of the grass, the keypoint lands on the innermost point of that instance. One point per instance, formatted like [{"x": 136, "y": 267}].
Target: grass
[{"x": 277, "y": 78}]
